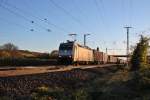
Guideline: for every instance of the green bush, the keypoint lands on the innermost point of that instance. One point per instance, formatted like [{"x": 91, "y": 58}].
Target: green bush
[{"x": 139, "y": 56}]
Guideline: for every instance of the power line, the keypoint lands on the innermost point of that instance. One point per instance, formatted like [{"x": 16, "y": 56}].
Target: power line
[
  {"x": 66, "y": 12},
  {"x": 79, "y": 9},
  {"x": 37, "y": 17},
  {"x": 100, "y": 8},
  {"x": 116, "y": 49},
  {"x": 12, "y": 6},
  {"x": 16, "y": 14},
  {"x": 131, "y": 11},
  {"x": 22, "y": 16},
  {"x": 58, "y": 27},
  {"x": 127, "y": 7},
  {"x": 99, "y": 12},
  {"x": 50, "y": 23},
  {"x": 10, "y": 22}
]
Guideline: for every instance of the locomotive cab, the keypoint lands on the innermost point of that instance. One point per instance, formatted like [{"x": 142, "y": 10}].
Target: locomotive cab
[{"x": 66, "y": 52}]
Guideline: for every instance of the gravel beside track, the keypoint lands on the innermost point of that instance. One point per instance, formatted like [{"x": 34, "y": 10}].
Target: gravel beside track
[
  {"x": 16, "y": 71},
  {"x": 23, "y": 85}
]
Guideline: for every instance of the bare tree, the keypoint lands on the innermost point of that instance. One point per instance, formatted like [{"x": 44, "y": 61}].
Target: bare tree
[{"x": 9, "y": 46}]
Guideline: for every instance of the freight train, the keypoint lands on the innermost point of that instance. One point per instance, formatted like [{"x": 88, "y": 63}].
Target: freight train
[{"x": 74, "y": 53}]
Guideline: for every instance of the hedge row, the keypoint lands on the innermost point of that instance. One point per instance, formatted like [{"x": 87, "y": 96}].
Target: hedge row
[{"x": 25, "y": 62}]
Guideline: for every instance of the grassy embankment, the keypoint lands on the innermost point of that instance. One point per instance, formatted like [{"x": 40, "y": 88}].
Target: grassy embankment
[{"x": 25, "y": 58}]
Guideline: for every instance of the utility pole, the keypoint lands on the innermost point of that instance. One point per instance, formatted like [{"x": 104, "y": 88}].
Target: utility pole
[
  {"x": 85, "y": 38},
  {"x": 127, "y": 44},
  {"x": 73, "y": 36}
]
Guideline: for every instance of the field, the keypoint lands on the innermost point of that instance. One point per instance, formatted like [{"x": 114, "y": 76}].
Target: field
[{"x": 99, "y": 83}]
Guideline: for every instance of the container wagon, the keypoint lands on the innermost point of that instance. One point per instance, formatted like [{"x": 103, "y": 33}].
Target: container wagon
[
  {"x": 112, "y": 59},
  {"x": 98, "y": 57}
]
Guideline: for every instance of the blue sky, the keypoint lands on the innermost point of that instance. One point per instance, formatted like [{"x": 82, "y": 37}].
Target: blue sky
[{"x": 103, "y": 19}]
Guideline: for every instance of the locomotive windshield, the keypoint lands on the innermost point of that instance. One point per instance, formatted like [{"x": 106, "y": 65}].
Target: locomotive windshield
[{"x": 65, "y": 49}]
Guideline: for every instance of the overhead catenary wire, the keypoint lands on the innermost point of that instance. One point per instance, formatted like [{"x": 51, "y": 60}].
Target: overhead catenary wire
[
  {"x": 123, "y": 9},
  {"x": 81, "y": 12},
  {"x": 127, "y": 7},
  {"x": 78, "y": 8},
  {"x": 130, "y": 12},
  {"x": 67, "y": 13},
  {"x": 10, "y": 22},
  {"x": 13, "y": 23},
  {"x": 16, "y": 14},
  {"x": 52, "y": 24},
  {"x": 115, "y": 49},
  {"x": 101, "y": 9},
  {"x": 22, "y": 16},
  {"x": 45, "y": 20}
]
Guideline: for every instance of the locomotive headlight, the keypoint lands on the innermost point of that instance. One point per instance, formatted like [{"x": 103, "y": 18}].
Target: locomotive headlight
[
  {"x": 59, "y": 56},
  {"x": 69, "y": 56}
]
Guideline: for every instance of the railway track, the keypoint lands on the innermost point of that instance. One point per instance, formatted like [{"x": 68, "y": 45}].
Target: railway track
[{"x": 17, "y": 71}]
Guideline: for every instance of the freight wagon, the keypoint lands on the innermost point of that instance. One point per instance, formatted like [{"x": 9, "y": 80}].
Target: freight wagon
[
  {"x": 121, "y": 61},
  {"x": 112, "y": 59},
  {"x": 100, "y": 57}
]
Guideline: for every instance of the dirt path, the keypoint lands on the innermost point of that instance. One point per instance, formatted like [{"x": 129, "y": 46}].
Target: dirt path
[{"x": 16, "y": 71}]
